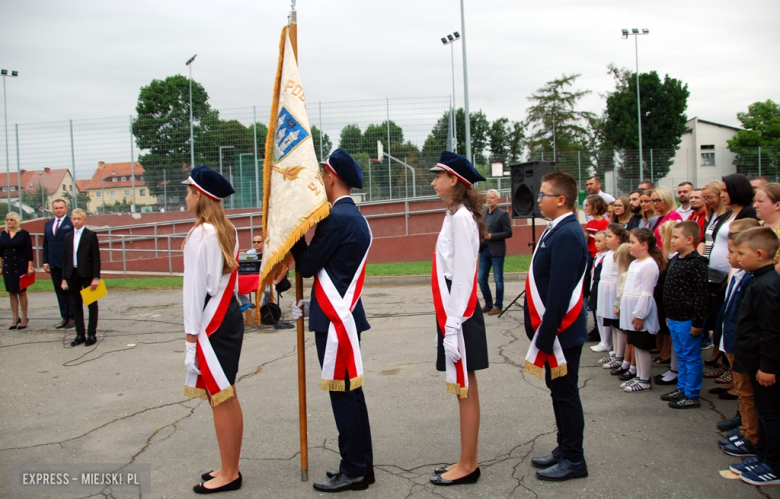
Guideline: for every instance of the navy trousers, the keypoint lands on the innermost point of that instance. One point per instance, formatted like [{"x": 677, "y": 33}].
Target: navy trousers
[
  {"x": 567, "y": 406},
  {"x": 767, "y": 400},
  {"x": 63, "y": 297},
  {"x": 351, "y": 415}
]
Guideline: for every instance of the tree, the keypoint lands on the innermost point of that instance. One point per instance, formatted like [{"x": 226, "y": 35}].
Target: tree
[
  {"x": 556, "y": 124},
  {"x": 351, "y": 139},
  {"x": 664, "y": 121},
  {"x": 380, "y": 132},
  {"x": 761, "y": 129},
  {"x": 480, "y": 133},
  {"x": 162, "y": 131},
  {"x": 326, "y": 145},
  {"x": 36, "y": 199},
  {"x": 506, "y": 141},
  {"x": 83, "y": 199}
]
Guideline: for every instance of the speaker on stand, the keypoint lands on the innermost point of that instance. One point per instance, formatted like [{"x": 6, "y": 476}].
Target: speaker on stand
[{"x": 526, "y": 182}]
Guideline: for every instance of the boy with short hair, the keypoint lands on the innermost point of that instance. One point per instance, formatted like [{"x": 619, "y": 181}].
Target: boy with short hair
[
  {"x": 758, "y": 350},
  {"x": 685, "y": 300}
]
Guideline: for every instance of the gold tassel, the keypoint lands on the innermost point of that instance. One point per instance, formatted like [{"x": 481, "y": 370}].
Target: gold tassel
[
  {"x": 557, "y": 372},
  {"x": 195, "y": 393},
  {"x": 534, "y": 370},
  {"x": 222, "y": 396},
  {"x": 456, "y": 389},
  {"x": 332, "y": 385},
  {"x": 356, "y": 382}
]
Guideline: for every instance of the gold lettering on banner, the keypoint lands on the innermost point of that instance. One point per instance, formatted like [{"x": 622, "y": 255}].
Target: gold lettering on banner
[
  {"x": 314, "y": 187},
  {"x": 289, "y": 172},
  {"x": 290, "y": 84},
  {"x": 294, "y": 88}
]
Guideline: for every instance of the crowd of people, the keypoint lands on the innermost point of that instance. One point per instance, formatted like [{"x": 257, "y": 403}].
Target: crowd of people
[{"x": 670, "y": 280}]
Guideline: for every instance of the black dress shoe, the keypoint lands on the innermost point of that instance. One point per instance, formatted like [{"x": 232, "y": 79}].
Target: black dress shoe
[
  {"x": 618, "y": 371},
  {"x": 440, "y": 471},
  {"x": 659, "y": 380},
  {"x": 626, "y": 376},
  {"x": 78, "y": 341},
  {"x": 22, "y": 327},
  {"x": 547, "y": 461},
  {"x": 728, "y": 396},
  {"x": 71, "y": 324},
  {"x": 208, "y": 476},
  {"x": 369, "y": 476},
  {"x": 342, "y": 482},
  {"x": 234, "y": 485},
  {"x": 61, "y": 324},
  {"x": 91, "y": 340},
  {"x": 563, "y": 470},
  {"x": 464, "y": 480},
  {"x": 15, "y": 326}
]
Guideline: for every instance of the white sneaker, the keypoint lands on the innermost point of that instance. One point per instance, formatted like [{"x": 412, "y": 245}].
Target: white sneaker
[
  {"x": 600, "y": 348},
  {"x": 629, "y": 382},
  {"x": 605, "y": 360},
  {"x": 639, "y": 386}
]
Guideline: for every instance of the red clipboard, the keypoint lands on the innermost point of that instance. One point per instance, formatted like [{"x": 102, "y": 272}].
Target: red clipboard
[{"x": 26, "y": 280}]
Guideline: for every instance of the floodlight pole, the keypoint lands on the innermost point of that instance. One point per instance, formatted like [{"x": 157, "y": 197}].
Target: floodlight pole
[
  {"x": 635, "y": 33},
  {"x": 465, "y": 83},
  {"x": 5, "y": 74},
  {"x": 450, "y": 40},
  {"x": 192, "y": 138}
]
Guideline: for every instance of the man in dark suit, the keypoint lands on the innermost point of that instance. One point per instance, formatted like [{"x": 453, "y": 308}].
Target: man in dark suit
[
  {"x": 81, "y": 269},
  {"x": 493, "y": 251},
  {"x": 53, "y": 238},
  {"x": 555, "y": 286},
  {"x": 339, "y": 245}
]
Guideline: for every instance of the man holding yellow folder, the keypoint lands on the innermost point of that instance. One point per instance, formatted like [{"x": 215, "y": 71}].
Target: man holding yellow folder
[{"x": 81, "y": 269}]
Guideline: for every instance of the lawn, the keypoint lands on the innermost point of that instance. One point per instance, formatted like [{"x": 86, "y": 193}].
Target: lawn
[{"x": 515, "y": 263}]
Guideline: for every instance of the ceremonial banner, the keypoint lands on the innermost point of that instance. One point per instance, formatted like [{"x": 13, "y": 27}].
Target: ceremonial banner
[{"x": 294, "y": 195}]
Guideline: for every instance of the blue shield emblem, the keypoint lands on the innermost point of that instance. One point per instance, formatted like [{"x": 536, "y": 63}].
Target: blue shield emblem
[{"x": 289, "y": 134}]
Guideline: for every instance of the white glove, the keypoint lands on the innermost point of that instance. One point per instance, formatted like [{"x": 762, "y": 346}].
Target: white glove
[
  {"x": 301, "y": 309},
  {"x": 190, "y": 360},
  {"x": 451, "y": 344}
]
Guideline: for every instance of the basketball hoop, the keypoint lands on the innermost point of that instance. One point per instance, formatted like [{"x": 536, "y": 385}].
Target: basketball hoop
[{"x": 380, "y": 150}]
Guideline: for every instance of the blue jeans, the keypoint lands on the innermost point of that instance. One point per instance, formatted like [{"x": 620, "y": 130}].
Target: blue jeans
[
  {"x": 486, "y": 260},
  {"x": 688, "y": 349}
]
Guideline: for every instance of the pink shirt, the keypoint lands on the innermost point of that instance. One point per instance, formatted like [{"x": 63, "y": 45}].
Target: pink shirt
[{"x": 672, "y": 216}]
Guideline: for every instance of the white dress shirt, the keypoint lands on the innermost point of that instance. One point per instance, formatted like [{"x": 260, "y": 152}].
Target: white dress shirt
[
  {"x": 458, "y": 245},
  {"x": 76, "y": 240},
  {"x": 57, "y": 225}
]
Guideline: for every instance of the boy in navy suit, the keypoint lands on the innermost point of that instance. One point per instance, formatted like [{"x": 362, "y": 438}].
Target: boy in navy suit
[
  {"x": 53, "y": 239},
  {"x": 555, "y": 322},
  {"x": 338, "y": 248}
]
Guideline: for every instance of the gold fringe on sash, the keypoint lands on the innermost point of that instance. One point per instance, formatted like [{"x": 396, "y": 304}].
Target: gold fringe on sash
[
  {"x": 456, "y": 389},
  {"x": 534, "y": 370},
  {"x": 196, "y": 393},
  {"x": 555, "y": 372},
  {"x": 356, "y": 382},
  {"x": 222, "y": 396},
  {"x": 332, "y": 385}
]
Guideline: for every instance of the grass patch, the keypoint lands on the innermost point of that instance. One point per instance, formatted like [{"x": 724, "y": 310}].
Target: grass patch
[
  {"x": 514, "y": 263},
  {"x": 141, "y": 283}
]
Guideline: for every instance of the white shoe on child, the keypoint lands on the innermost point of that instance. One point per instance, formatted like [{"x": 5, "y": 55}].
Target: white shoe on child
[
  {"x": 639, "y": 386},
  {"x": 600, "y": 348}
]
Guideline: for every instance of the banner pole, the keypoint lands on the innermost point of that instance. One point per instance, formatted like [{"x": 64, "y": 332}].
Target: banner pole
[{"x": 302, "y": 416}]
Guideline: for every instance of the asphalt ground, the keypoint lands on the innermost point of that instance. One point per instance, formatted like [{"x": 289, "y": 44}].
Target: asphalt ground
[{"x": 121, "y": 401}]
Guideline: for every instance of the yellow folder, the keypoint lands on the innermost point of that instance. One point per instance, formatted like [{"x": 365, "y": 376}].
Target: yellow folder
[{"x": 90, "y": 296}]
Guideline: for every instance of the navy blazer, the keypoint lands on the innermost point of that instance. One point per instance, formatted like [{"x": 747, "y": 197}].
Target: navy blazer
[
  {"x": 729, "y": 314},
  {"x": 560, "y": 260},
  {"x": 500, "y": 228},
  {"x": 54, "y": 244},
  {"x": 340, "y": 241}
]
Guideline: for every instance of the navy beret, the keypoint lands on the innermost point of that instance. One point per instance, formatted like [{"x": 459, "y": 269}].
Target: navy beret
[
  {"x": 341, "y": 164},
  {"x": 209, "y": 183},
  {"x": 459, "y": 166}
]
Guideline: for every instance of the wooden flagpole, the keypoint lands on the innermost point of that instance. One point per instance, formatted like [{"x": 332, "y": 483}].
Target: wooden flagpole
[{"x": 302, "y": 416}]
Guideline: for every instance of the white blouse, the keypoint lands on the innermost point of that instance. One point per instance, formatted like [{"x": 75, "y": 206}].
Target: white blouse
[
  {"x": 637, "y": 300},
  {"x": 203, "y": 262},
  {"x": 607, "y": 287},
  {"x": 457, "y": 255}
]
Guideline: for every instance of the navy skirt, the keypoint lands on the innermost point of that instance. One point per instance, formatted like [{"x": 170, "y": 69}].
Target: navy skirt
[
  {"x": 227, "y": 340},
  {"x": 474, "y": 337}
]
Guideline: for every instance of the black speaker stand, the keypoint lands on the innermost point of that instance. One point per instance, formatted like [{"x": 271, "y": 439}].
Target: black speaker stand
[{"x": 532, "y": 244}]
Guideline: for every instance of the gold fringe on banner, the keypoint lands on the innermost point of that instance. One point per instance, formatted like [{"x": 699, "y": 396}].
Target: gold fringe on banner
[
  {"x": 534, "y": 370},
  {"x": 222, "y": 396},
  {"x": 195, "y": 393},
  {"x": 332, "y": 385},
  {"x": 456, "y": 389}
]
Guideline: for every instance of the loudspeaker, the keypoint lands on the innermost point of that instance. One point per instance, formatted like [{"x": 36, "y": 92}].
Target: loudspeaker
[{"x": 526, "y": 181}]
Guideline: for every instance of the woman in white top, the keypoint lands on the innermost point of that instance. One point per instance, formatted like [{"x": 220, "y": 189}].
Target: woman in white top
[
  {"x": 213, "y": 320},
  {"x": 461, "y": 342},
  {"x": 638, "y": 310}
]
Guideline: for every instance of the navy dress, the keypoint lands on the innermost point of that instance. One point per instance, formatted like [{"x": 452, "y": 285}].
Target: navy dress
[{"x": 17, "y": 253}]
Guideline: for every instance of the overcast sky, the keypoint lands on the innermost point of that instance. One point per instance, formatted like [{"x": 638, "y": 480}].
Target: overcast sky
[{"x": 88, "y": 59}]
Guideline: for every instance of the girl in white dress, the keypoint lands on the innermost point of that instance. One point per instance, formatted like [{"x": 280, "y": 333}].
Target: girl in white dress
[{"x": 608, "y": 324}]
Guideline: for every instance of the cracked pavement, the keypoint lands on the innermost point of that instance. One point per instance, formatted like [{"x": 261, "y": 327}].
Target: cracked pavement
[{"x": 121, "y": 401}]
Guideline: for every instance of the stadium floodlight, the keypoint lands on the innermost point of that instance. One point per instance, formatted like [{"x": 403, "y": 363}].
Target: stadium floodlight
[
  {"x": 449, "y": 40},
  {"x": 635, "y": 33},
  {"x": 14, "y": 74},
  {"x": 192, "y": 138},
  {"x": 457, "y": 35}
]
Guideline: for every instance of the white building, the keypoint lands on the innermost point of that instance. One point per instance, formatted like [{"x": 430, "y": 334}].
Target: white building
[{"x": 703, "y": 155}]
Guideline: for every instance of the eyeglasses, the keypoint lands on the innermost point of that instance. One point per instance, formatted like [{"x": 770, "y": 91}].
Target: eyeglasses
[
  {"x": 656, "y": 200},
  {"x": 543, "y": 195},
  {"x": 710, "y": 198},
  {"x": 257, "y": 242}
]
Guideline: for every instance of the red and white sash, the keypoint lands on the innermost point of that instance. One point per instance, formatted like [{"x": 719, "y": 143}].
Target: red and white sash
[
  {"x": 212, "y": 378},
  {"x": 457, "y": 372},
  {"x": 536, "y": 359},
  {"x": 342, "y": 351}
]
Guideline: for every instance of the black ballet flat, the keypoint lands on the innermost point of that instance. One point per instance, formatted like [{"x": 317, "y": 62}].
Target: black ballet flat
[
  {"x": 464, "y": 480},
  {"x": 16, "y": 326},
  {"x": 234, "y": 485},
  {"x": 440, "y": 471},
  {"x": 207, "y": 476}
]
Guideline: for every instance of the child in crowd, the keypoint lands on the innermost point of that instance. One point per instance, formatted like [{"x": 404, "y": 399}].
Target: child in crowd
[
  {"x": 621, "y": 365},
  {"x": 685, "y": 299},
  {"x": 742, "y": 444},
  {"x": 593, "y": 301},
  {"x": 607, "y": 290},
  {"x": 638, "y": 310},
  {"x": 596, "y": 208},
  {"x": 758, "y": 350}
]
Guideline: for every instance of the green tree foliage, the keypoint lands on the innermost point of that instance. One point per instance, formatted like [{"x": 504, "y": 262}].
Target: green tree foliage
[
  {"x": 761, "y": 125},
  {"x": 379, "y": 132},
  {"x": 162, "y": 131},
  {"x": 262, "y": 133},
  {"x": 83, "y": 199},
  {"x": 325, "y": 146},
  {"x": 480, "y": 136},
  {"x": 36, "y": 199},
  {"x": 663, "y": 106},
  {"x": 351, "y": 139},
  {"x": 506, "y": 141}
]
